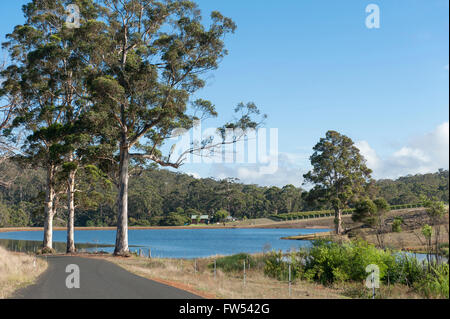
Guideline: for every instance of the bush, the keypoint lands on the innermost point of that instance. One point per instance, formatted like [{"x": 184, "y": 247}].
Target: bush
[
  {"x": 139, "y": 222},
  {"x": 329, "y": 262},
  {"x": 174, "y": 219},
  {"x": 435, "y": 283},
  {"x": 277, "y": 267},
  {"x": 405, "y": 270},
  {"x": 397, "y": 225},
  {"x": 234, "y": 263}
]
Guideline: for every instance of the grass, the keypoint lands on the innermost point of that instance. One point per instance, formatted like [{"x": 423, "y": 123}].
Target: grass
[
  {"x": 198, "y": 277},
  {"x": 360, "y": 291},
  {"x": 408, "y": 240},
  {"x": 17, "y": 271}
]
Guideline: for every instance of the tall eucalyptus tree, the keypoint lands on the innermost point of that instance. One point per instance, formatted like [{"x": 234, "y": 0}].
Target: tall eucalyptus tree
[
  {"x": 50, "y": 64},
  {"x": 154, "y": 59}
]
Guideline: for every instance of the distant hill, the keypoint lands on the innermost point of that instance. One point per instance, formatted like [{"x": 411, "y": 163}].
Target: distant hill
[{"x": 408, "y": 189}]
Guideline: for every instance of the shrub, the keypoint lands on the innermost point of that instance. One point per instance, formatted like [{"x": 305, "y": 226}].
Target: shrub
[
  {"x": 139, "y": 222},
  {"x": 234, "y": 263},
  {"x": 277, "y": 266},
  {"x": 405, "y": 270},
  {"x": 435, "y": 283},
  {"x": 328, "y": 262},
  {"x": 173, "y": 219},
  {"x": 397, "y": 225}
]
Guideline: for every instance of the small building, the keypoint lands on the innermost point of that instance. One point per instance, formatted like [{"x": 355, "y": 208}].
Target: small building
[
  {"x": 230, "y": 219},
  {"x": 200, "y": 219}
]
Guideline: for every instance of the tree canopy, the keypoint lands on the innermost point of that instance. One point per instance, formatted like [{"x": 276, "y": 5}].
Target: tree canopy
[{"x": 339, "y": 172}]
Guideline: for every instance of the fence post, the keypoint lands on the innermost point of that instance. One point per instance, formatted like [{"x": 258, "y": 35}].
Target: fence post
[
  {"x": 195, "y": 265},
  {"x": 289, "y": 279},
  {"x": 244, "y": 273},
  {"x": 215, "y": 269}
]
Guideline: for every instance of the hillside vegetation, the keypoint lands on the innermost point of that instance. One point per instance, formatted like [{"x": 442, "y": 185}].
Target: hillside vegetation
[{"x": 164, "y": 198}]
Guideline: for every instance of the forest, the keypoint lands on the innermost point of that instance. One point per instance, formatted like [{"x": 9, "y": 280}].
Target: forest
[{"x": 159, "y": 197}]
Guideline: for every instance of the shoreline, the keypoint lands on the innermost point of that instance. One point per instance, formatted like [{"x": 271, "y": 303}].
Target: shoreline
[{"x": 275, "y": 226}]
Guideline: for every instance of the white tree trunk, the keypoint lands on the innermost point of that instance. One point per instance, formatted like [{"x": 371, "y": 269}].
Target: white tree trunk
[
  {"x": 122, "y": 220},
  {"x": 49, "y": 209},
  {"x": 71, "y": 217}
]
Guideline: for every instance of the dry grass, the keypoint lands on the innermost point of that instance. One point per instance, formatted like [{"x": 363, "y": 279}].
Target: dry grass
[
  {"x": 411, "y": 240},
  {"x": 182, "y": 274},
  {"x": 359, "y": 291},
  {"x": 18, "y": 270}
]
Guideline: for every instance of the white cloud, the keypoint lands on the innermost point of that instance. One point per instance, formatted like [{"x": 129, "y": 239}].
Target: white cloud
[
  {"x": 194, "y": 175},
  {"x": 373, "y": 161},
  {"x": 423, "y": 154},
  {"x": 289, "y": 171}
]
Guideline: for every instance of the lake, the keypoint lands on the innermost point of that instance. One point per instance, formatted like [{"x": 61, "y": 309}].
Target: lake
[{"x": 169, "y": 243}]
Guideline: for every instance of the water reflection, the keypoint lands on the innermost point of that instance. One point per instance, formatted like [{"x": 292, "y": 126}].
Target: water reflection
[{"x": 33, "y": 246}]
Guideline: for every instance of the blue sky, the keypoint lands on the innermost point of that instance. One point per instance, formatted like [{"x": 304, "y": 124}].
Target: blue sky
[{"x": 313, "y": 65}]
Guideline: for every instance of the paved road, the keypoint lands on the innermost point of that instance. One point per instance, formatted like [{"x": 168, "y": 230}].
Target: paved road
[{"x": 99, "y": 279}]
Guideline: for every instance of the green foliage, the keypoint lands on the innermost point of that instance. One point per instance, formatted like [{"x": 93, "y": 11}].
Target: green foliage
[
  {"x": 370, "y": 212},
  {"x": 435, "y": 209},
  {"x": 173, "y": 219},
  {"x": 382, "y": 205},
  {"x": 411, "y": 188},
  {"x": 339, "y": 171},
  {"x": 221, "y": 215},
  {"x": 427, "y": 231},
  {"x": 277, "y": 267},
  {"x": 139, "y": 222},
  {"x": 234, "y": 263},
  {"x": 4, "y": 215},
  {"x": 397, "y": 225},
  {"x": 365, "y": 211},
  {"x": 153, "y": 194},
  {"x": 19, "y": 218},
  {"x": 435, "y": 283},
  {"x": 329, "y": 262}
]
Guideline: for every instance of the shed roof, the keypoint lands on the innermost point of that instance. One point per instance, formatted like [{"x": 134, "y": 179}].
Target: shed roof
[{"x": 201, "y": 217}]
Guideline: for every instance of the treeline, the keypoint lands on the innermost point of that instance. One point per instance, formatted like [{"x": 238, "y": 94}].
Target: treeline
[
  {"x": 165, "y": 198},
  {"x": 407, "y": 190}
]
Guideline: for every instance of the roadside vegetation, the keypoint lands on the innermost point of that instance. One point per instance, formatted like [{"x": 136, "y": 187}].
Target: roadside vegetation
[
  {"x": 18, "y": 270},
  {"x": 329, "y": 269},
  {"x": 342, "y": 264},
  {"x": 197, "y": 276},
  {"x": 334, "y": 267}
]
